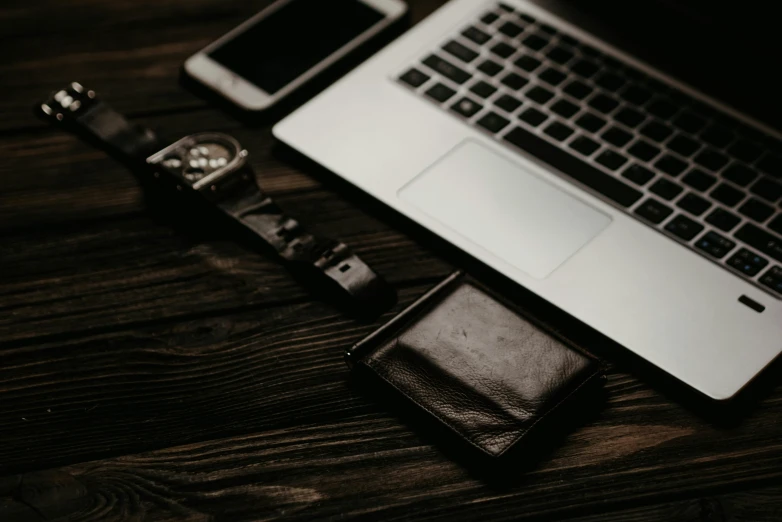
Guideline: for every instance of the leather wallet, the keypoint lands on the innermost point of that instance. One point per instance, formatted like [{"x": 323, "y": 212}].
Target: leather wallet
[{"x": 473, "y": 362}]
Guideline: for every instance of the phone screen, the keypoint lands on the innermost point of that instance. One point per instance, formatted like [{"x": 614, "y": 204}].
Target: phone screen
[{"x": 284, "y": 45}]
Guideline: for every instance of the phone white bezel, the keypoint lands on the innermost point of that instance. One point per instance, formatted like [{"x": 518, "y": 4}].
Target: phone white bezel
[{"x": 249, "y": 96}]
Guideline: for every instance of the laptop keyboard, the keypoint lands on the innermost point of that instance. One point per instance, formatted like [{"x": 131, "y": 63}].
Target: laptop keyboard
[{"x": 680, "y": 165}]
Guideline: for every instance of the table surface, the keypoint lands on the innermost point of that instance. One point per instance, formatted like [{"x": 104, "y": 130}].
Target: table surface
[{"x": 150, "y": 372}]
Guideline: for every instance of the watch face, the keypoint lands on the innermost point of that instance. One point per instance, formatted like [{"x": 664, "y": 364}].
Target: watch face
[{"x": 201, "y": 158}]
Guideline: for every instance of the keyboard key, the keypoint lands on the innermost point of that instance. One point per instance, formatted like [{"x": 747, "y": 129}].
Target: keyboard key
[
  {"x": 489, "y": 18},
  {"x": 578, "y": 89},
  {"x": 689, "y": 121},
  {"x": 533, "y": 116},
  {"x": 747, "y": 262},
  {"x": 727, "y": 195},
  {"x": 493, "y": 122},
  {"x": 610, "y": 81},
  {"x": 540, "y": 94},
  {"x": 590, "y": 122},
  {"x": 565, "y": 38},
  {"x": 773, "y": 279},
  {"x": 643, "y": 150},
  {"x": 613, "y": 63},
  {"x": 723, "y": 219},
  {"x": 466, "y": 107},
  {"x": 584, "y": 145},
  {"x": 414, "y": 77},
  {"x": 653, "y": 211},
  {"x": 757, "y": 210},
  {"x": 745, "y": 151},
  {"x": 635, "y": 95},
  {"x": 507, "y": 103},
  {"x": 630, "y": 117},
  {"x": 759, "y": 239},
  {"x": 527, "y": 62},
  {"x": 771, "y": 164},
  {"x": 662, "y": 108},
  {"x": 715, "y": 245},
  {"x": 671, "y": 165},
  {"x": 440, "y": 92},
  {"x": 575, "y": 168},
  {"x": 638, "y": 174},
  {"x": 552, "y": 76},
  {"x": 767, "y": 189},
  {"x": 560, "y": 55},
  {"x": 684, "y": 227},
  {"x": 589, "y": 50},
  {"x": 610, "y": 159},
  {"x": 666, "y": 189},
  {"x": 585, "y": 68},
  {"x": 558, "y": 131},
  {"x": 510, "y": 29},
  {"x": 476, "y": 35},
  {"x": 527, "y": 18},
  {"x": 699, "y": 180},
  {"x": 683, "y": 145},
  {"x": 717, "y": 136},
  {"x": 502, "y": 50},
  {"x": 490, "y": 67},
  {"x": 564, "y": 108},
  {"x": 617, "y": 137},
  {"x": 711, "y": 159},
  {"x": 739, "y": 174},
  {"x": 535, "y": 42},
  {"x": 447, "y": 69},
  {"x": 514, "y": 81},
  {"x": 506, "y": 8},
  {"x": 603, "y": 103},
  {"x": 483, "y": 89},
  {"x": 548, "y": 29},
  {"x": 693, "y": 204},
  {"x": 656, "y": 131},
  {"x": 461, "y": 52},
  {"x": 776, "y": 224}
]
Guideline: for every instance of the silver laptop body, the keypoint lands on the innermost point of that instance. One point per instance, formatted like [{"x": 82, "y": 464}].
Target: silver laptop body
[{"x": 683, "y": 304}]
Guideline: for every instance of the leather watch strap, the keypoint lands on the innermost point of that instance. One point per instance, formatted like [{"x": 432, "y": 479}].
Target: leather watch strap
[
  {"x": 81, "y": 110},
  {"x": 324, "y": 258}
]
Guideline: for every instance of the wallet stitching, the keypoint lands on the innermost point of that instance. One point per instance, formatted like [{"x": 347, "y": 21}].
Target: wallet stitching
[{"x": 469, "y": 440}]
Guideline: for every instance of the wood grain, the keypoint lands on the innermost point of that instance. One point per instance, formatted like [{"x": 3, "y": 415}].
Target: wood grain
[{"x": 151, "y": 370}]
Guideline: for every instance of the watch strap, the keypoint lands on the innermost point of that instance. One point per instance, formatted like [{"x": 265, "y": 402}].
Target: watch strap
[
  {"x": 328, "y": 262},
  {"x": 82, "y": 111}
]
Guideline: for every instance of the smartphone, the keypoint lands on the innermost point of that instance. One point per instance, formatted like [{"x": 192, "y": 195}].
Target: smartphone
[{"x": 287, "y": 44}]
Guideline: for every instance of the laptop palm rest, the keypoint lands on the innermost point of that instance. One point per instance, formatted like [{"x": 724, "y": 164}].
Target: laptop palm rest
[{"x": 504, "y": 208}]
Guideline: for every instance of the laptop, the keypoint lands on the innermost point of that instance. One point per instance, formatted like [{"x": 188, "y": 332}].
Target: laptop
[{"x": 636, "y": 204}]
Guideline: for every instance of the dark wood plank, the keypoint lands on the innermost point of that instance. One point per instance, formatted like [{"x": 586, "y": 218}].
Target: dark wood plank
[
  {"x": 371, "y": 466},
  {"x": 128, "y": 270},
  {"x": 152, "y": 386}
]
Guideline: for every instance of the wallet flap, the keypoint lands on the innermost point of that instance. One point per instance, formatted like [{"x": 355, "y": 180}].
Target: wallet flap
[{"x": 478, "y": 366}]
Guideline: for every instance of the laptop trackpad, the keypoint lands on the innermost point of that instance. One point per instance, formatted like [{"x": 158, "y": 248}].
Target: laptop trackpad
[{"x": 504, "y": 208}]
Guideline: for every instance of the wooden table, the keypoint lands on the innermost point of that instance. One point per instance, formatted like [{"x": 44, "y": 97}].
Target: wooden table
[{"x": 151, "y": 373}]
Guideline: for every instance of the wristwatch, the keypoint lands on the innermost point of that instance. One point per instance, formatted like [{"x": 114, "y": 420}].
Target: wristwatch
[{"x": 213, "y": 168}]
